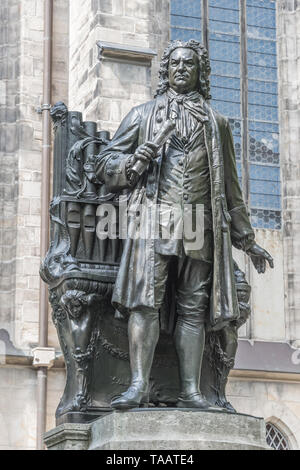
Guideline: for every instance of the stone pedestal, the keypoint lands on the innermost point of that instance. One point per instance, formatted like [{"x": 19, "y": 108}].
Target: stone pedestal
[
  {"x": 157, "y": 429},
  {"x": 68, "y": 437}
]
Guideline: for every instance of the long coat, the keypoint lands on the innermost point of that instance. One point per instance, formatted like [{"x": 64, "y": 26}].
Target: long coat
[{"x": 134, "y": 287}]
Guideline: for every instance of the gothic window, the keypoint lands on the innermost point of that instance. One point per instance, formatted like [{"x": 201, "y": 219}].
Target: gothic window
[
  {"x": 275, "y": 438},
  {"x": 241, "y": 38}
]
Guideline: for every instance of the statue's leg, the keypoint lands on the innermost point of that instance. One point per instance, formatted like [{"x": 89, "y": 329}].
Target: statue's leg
[
  {"x": 189, "y": 343},
  {"x": 228, "y": 342},
  {"x": 143, "y": 334},
  {"x": 193, "y": 294}
]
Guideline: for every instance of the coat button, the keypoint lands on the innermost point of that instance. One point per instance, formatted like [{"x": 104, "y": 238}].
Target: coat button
[
  {"x": 109, "y": 172},
  {"x": 180, "y": 162},
  {"x": 185, "y": 197},
  {"x": 159, "y": 119}
]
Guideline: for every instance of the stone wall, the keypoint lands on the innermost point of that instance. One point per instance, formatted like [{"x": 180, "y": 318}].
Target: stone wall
[
  {"x": 21, "y": 89},
  {"x": 277, "y": 402},
  {"x": 289, "y": 93},
  {"x": 268, "y": 316},
  {"x": 21, "y": 86},
  {"x": 9, "y": 115},
  {"x": 105, "y": 91},
  {"x": 17, "y": 415},
  {"x": 267, "y": 321}
]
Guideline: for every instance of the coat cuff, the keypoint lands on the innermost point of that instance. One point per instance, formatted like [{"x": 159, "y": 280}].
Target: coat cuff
[
  {"x": 116, "y": 172},
  {"x": 242, "y": 234},
  {"x": 244, "y": 243}
]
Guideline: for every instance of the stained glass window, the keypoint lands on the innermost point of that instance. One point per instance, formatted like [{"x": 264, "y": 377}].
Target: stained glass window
[
  {"x": 275, "y": 438},
  {"x": 186, "y": 20},
  {"x": 224, "y": 51},
  {"x": 223, "y": 21},
  {"x": 263, "y": 114}
]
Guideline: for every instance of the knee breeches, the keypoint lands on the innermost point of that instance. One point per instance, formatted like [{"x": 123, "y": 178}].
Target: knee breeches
[{"x": 193, "y": 285}]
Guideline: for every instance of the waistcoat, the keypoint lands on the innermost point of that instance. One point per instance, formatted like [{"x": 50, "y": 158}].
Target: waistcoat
[{"x": 184, "y": 183}]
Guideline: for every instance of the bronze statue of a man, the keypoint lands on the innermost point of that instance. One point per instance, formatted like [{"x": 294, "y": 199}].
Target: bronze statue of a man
[{"x": 196, "y": 166}]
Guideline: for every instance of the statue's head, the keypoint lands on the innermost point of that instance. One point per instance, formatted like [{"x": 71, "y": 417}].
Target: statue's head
[{"x": 185, "y": 67}]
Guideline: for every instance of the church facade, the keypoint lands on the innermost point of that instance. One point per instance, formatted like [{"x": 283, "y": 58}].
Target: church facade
[{"x": 105, "y": 60}]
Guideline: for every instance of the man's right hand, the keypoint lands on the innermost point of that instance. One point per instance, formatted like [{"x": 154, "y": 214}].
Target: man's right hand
[{"x": 146, "y": 152}]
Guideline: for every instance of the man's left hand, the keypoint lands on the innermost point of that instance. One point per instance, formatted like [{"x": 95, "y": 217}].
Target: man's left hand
[{"x": 259, "y": 256}]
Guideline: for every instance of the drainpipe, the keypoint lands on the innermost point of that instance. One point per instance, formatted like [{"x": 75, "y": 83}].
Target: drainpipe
[{"x": 40, "y": 353}]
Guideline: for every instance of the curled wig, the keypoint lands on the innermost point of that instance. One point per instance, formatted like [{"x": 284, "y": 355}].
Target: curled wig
[{"x": 204, "y": 84}]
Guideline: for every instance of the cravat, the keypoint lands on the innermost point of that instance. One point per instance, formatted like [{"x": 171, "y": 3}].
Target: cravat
[{"x": 191, "y": 102}]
